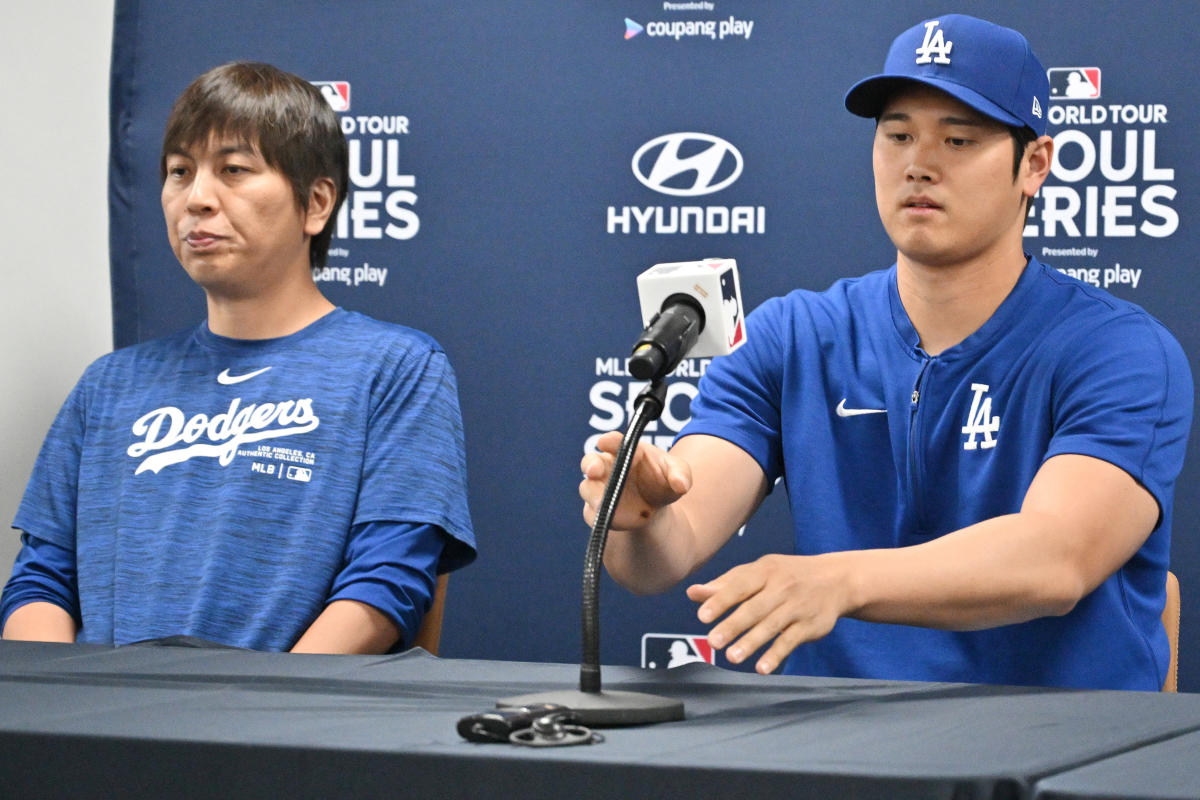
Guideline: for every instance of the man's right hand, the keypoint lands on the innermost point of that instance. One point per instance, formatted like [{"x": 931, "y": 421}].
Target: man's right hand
[
  {"x": 677, "y": 509},
  {"x": 656, "y": 479}
]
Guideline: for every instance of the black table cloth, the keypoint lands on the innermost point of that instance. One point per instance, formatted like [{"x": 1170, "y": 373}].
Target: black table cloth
[{"x": 87, "y": 721}]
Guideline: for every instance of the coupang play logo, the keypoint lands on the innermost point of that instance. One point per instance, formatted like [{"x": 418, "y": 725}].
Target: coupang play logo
[{"x": 680, "y": 29}]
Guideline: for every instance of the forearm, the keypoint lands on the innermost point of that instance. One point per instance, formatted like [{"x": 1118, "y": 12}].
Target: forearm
[
  {"x": 348, "y": 626},
  {"x": 40, "y": 621},
  {"x": 654, "y": 558},
  {"x": 1081, "y": 519},
  {"x": 1000, "y": 571},
  {"x": 726, "y": 488}
]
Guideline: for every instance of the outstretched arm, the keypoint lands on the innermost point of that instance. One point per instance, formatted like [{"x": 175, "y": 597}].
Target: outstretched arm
[
  {"x": 678, "y": 507},
  {"x": 1081, "y": 519}
]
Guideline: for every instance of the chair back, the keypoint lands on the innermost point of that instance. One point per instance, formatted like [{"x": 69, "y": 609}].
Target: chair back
[
  {"x": 1170, "y": 618},
  {"x": 429, "y": 635}
]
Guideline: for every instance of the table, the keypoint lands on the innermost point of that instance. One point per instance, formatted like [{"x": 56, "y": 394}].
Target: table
[
  {"x": 1166, "y": 770},
  {"x": 141, "y": 721}
]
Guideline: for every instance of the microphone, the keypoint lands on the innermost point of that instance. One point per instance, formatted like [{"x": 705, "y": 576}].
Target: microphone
[{"x": 689, "y": 308}]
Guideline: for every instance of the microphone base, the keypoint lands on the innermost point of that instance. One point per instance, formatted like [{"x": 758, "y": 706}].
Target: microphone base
[{"x": 605, "y": 709}]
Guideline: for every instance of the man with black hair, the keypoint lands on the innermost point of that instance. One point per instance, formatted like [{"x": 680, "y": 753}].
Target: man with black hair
[
  {"x": 286, "y": 475},
  {"x": 980, "y": 453}
]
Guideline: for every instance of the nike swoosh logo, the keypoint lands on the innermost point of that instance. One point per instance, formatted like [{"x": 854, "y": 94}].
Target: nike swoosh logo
[
  {"x": 225, "y": 379},
  {"x": 842, "y": 411}
]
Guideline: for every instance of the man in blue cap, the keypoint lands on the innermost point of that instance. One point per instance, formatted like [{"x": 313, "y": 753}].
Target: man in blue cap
[{"x": 980, "y": 452}]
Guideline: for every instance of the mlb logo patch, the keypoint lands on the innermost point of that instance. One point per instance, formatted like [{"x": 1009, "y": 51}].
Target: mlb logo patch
[
  {"x": 336, "y": 93},
  {"x": 671, "y": 650},
  {"x": 302, "y": 474},
  {"x": 1074, "y": 83}
]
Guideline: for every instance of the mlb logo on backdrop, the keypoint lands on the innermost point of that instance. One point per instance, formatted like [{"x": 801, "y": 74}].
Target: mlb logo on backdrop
[
  {"x": 336, "y": 93},
  {"x": 1074, "y": 83},
  {"x": 671, "y": 650}
]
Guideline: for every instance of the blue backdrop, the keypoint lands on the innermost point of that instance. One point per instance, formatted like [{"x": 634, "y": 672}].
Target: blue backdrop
[{"x": 496, "y": 205}]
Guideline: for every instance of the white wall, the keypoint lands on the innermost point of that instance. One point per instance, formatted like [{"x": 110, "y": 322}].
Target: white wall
[{"x": 55, "y": 308}]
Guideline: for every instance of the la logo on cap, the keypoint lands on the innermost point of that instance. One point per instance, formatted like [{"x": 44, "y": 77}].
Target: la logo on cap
[{"x": 935, "y": 44}]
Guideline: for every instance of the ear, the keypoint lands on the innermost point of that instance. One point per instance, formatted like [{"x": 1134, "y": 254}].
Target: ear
[
  {"x": 321, "y": 199},
  {"x": 1035, "y": 167}
]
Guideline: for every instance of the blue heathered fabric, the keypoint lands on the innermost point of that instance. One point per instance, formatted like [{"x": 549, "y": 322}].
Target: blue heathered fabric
[{"x": 225, "y": 511}]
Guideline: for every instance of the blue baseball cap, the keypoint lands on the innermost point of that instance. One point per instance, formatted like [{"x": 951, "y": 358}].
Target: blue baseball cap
[{"x": 990, "y": 68}]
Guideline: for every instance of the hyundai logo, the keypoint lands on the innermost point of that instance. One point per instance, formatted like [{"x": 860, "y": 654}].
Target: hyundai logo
[{"x": 687, "y": 164}]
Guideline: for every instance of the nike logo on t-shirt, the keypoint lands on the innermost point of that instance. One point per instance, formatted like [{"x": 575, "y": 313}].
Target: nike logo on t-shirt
[
  {"x": 842, "y": 411},
  {"x": 225, "y": 379}
]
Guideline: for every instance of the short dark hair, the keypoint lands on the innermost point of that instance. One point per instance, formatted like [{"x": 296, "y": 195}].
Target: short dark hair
[
  {"x": 1021, "y": 136},
  {"x": 284, "y": 117}
]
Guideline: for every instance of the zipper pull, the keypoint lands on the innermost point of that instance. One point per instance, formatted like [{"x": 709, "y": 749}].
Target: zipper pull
[{"x": 916, "y": 395}]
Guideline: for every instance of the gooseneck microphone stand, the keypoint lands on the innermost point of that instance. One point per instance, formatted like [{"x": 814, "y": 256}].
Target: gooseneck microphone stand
[
  {"x": 592, "y": 704},
  {"x": 664, "y": 343},
  {"x": 648, "y": 407}
]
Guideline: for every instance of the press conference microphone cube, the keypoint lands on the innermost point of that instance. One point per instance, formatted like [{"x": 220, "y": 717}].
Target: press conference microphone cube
[{"x": 689, "y": 308}]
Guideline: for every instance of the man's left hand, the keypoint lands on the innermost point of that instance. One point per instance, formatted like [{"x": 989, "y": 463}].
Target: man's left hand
[{"x": 790, "y": 599}]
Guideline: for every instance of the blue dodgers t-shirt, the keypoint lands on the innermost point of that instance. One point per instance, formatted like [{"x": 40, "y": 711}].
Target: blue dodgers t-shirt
[
  {"x": 207, "y": 485},
  {"x": 881, "y": 445}
]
